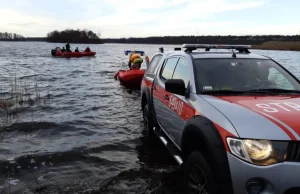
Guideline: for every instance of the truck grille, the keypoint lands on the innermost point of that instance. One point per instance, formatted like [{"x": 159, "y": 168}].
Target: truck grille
[
  {"x": 293, "y": 191},
  {"x": 293, "y": 152}
]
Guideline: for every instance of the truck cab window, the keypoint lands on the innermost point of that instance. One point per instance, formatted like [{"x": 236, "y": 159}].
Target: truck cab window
[
  {"x": 153, "y": 64},
  {"x": 182, "y": 71},
  {"x": 168, "y": 69}
]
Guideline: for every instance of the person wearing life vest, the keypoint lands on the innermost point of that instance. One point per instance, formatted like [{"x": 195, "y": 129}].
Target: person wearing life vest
[
  {"x": 68, "y": 47},
  {"x": 135, "y": 61}
]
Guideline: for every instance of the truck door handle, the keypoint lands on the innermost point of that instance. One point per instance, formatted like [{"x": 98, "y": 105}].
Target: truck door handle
[
  {"x": 154, "y": 87},
  {"x": 166, "y": 96}
]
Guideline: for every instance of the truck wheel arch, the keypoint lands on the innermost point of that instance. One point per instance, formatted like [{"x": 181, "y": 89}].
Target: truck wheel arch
[{"x": 200, "y": 134}]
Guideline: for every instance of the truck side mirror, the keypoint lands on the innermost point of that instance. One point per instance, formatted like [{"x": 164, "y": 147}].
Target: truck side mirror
[{"x": 175, "y": 86}]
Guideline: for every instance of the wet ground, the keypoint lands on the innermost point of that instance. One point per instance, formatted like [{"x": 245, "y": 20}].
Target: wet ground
[{"x": 77, "y": 130}]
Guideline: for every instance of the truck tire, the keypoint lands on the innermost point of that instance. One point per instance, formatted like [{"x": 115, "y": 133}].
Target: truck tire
[
  {"x": 148, "y": 121},
  {"x": 198, "y": 176}
]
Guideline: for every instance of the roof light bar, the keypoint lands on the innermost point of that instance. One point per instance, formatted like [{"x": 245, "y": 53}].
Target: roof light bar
[
  {"x": 129, "y": 52},
  {"x": 216, "y": 46}
]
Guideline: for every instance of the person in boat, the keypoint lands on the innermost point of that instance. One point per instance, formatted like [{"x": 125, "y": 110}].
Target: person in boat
[
  {"x": 68, "y": 47},
  {"x": 87, "y": 49},
  {"x": 135, "y": 61},
  {"x": 63, "y": 49},
  {"x": 76, "y": 50}
]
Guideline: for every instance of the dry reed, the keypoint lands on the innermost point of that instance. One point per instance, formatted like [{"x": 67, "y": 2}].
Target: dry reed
[{"x": 279, "y": 45}]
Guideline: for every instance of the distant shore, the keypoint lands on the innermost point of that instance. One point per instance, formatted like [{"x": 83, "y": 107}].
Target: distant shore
[
  {"x": 269, "y": 45},
  {"x": 279, "y": 45}
]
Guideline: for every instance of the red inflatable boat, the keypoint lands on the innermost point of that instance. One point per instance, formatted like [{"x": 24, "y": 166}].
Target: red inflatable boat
[
  {"x": 73, "y": 54},
  {"x": 130, "y": 78}
]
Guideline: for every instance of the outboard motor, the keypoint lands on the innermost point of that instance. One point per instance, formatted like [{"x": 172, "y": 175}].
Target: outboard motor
[{"x": 53, "y": 52}]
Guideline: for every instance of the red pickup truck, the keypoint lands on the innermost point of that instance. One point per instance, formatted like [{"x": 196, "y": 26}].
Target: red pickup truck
[{"x": 230, "y": 118}]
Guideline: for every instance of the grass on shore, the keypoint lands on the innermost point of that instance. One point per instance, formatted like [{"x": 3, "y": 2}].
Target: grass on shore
[
  {"x": 18, "y": 94},
  {"x": 279, "y": 45}
]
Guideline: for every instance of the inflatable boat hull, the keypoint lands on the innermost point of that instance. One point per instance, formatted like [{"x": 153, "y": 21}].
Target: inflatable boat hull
[
  {"x": 130, "y": 78},
  {"x": 72, "y": 54}
]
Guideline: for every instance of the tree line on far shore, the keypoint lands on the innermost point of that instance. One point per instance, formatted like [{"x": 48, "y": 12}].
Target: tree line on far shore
[
  {"x": 10, "y": 36},
  {"x": 258, "y": 39},
  {"x": 74, "y": 36},
  {"x": 89, "y": 37}
]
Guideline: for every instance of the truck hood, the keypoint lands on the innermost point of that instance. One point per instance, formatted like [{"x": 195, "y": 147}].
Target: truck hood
[{"x": 261, "y": 117}]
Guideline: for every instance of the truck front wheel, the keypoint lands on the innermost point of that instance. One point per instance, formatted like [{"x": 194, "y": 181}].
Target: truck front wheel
[{"x": 198, "y": 176}]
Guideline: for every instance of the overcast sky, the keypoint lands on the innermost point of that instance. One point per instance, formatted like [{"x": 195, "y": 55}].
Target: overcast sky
[{"x": 141, "y": 18}]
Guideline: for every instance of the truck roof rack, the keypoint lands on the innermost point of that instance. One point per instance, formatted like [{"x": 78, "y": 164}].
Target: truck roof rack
[{"x": 207, "y": 47}]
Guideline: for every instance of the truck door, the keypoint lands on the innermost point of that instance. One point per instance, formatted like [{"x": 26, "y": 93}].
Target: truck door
[
  {"x": 160, "y": 97},
  {"x": 172, "y": 110},
  {"x": 181, "y": 110}
]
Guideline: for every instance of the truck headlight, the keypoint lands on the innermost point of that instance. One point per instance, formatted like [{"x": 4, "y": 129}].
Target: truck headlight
[{"x": 259, "y": 152}]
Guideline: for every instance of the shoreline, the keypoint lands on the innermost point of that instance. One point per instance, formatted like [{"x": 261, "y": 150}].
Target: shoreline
[
  {"x": 270, "y": 45},
  {"x": 278, "y": 45}
]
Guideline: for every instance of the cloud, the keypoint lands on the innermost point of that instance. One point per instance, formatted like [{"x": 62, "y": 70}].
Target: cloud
[
  {"x": 14, "y": 20},
  {"x": 139, "y": 18},
  {"x": 169, "y": 29},
  {"x": 134, "y": 12},
  {"x": 288, "y": 28},
  {"x": 13, "y": 17},
  {"x": 165, "y": 22}
]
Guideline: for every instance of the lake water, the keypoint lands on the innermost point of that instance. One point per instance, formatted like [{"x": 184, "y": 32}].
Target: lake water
[{"x": 84, "y": 132}]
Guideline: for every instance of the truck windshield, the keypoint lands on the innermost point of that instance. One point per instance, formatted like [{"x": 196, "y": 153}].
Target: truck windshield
[{"x": 242, "y": 75}]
